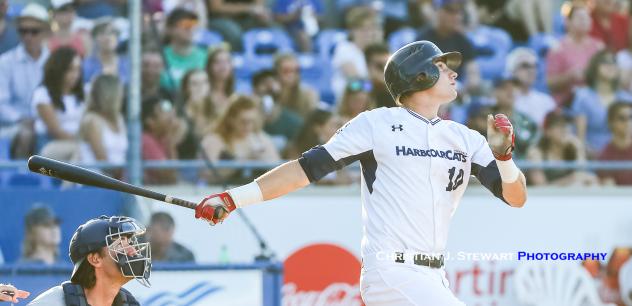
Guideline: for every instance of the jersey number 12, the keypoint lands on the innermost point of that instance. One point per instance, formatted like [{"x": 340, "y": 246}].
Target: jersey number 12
[{"x": 453, "y": 185}]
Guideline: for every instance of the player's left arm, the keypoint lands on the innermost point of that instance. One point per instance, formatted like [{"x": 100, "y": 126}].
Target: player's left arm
[{"x": 500, "y": 137}]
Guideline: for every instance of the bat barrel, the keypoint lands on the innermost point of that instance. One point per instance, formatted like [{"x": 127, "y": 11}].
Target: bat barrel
[{"x": 76, "y": 174}]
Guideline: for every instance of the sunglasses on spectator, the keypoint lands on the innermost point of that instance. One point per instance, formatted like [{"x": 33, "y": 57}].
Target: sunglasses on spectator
[
  {"x": 29, "y": 31},
  {"x": 187, "y": 24},
  {"x": 359, "y": 85}
]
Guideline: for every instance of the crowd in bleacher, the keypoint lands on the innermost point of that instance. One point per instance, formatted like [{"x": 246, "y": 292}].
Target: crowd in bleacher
[{"x": 257, "y": 80}]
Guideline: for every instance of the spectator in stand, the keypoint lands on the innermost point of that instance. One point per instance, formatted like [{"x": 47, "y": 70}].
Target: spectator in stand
[
  {"x": 104, "y": 59},
  {"x": 21, "y": 70},
  {"x": 525, "y": 129},
  {"x": 233, "y": 17},
  {"x": 160, "y": 236},
  {"x": 103, "y": 132},
  {"x": 364, "y": 27},
  {"x": 199, "y": 106},
  {"x": 356, "y": 99},
  {"x": 63, "y": 34},
  {"x": 294, "y": 95},
  {"x": 197, "y": 109},
  {"x": 319, "y": 127},
  {"x": 620, "y": 146},
  {"x": 59, "y": 105},
  {"x": 522, "y": 67},
  {"x": 180, "y": 53},
  {"x": 238, "y": 137},
  {"x": 279, "y": 122},
  {"x": 477, "y": 117},
  {"x": 624, "y": 62},
  {"x": 8, "y": 33},
  {"x": 151, "y": 70},
  {"x": 567, "y": 62},
  {"x": 42, "y": 236},
  {"x": 610, "y": 26},
  {"x": 300, "y": 19},
  {"x": 191, "y": 5},
  {"x": 558, "y": 144},
  {"x": 220, "y": 73},
  {"x": 163, "y": 131},
  {"x": 376, "y": 56},
  {"x": 591, "y": 102},
  {"x": 448, "y": 35}
]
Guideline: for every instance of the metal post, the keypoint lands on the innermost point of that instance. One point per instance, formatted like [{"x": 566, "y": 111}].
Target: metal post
[{"x": 134, "y": 164}]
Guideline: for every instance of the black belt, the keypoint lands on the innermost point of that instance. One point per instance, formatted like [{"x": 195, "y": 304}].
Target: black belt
[{"x": 422, "y": 260}]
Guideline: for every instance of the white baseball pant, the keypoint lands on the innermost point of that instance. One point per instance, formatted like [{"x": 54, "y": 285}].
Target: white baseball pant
[{"x": 403, "y": 284}]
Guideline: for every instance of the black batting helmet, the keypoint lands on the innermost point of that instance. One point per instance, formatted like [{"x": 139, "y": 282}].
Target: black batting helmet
[{"x": 412, "y": 67}]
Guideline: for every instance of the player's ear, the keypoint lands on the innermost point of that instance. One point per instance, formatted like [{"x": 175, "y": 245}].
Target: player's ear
[{"x": 95, "y": 259}]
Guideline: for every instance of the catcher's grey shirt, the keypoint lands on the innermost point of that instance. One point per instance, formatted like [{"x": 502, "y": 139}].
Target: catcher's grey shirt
[
  {"x": 51, "y": 297},
  {"x": 415, "y": 171}
]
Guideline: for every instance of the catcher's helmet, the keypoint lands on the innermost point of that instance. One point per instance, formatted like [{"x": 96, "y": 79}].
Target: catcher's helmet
[
  {"x": 133, "y": 257},
  {"x": 412, "y": 67}
]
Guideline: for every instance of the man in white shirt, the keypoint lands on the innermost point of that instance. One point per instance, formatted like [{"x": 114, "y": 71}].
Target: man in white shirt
[
  {"x": 415, "y": 169},
  {"x": 522, "y": 66},
  {"x": 21, "y": 70},
  {"x": 348, "y": 60}
]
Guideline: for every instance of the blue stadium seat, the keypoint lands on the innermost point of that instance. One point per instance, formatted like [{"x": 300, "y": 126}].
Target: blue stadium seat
[
  {"x": 25, "y": 179},
  {"x": 492, "y": 46},
  {"x": 266, "y": 42},
  {"x": 559, "y": 25},
  {"x": 401, "y": 37},
  {"x": 5, "y": 146},
  {"x": 205, "y": 38},
  {"x": 541, "y": 43},
  {"x": 326, "y": 42},
  {"x": 14, "y": 9},
  {"x": 316, "y": 73}
]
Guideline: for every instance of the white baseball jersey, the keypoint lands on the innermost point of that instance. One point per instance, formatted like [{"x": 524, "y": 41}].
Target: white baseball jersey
[{"x": 415, "y": 171}]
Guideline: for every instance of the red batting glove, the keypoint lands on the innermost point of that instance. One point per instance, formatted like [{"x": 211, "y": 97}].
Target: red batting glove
[
  {"x": 215, "y": 208},
  {"x": 500, "y": 136}
]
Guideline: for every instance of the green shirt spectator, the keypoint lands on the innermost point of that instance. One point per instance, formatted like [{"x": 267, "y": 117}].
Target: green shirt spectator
[{"x": 181, "y": 54}]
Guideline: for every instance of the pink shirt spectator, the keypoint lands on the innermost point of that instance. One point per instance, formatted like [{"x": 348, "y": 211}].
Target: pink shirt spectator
[
  {"x": 76, "y": 43},
  {"x": 612, "y": 153},
  {"x": 569, "y": 56},
  {"x": 152, "y": 150}
]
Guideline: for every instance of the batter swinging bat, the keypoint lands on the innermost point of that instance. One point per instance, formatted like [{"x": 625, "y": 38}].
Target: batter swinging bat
[{"x": 76, "y": 174}]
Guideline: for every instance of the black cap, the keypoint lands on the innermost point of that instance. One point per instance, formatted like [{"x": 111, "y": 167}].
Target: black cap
[{"x": 40, "y": 215}]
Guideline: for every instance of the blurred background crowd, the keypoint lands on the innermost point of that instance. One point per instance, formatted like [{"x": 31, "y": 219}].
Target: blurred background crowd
[{"x": 261, "y": 80}]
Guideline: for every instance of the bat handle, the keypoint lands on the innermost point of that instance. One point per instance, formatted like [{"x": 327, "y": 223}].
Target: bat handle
[{"x": 180, "y": 202}]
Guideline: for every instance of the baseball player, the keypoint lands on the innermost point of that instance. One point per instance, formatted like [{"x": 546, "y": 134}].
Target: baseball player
[
  {"x": 415, "y": 167},
  {"x": 106, "y": 254}
]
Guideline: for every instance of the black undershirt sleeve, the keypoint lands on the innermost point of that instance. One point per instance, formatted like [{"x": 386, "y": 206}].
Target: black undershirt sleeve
[
  {"x": 317, "y": 163},
  {"x": 489, "y": 176}
]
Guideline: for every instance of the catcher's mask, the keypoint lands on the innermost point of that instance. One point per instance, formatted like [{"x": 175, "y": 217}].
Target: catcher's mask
[{"x": 121, "y": 237}]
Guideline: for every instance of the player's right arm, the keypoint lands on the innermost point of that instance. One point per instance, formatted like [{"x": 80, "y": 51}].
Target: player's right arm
[{"x": 350, "y": 141}]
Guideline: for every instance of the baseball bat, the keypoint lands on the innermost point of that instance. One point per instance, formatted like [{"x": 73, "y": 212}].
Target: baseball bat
[{"x": 76, "y": 174}]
